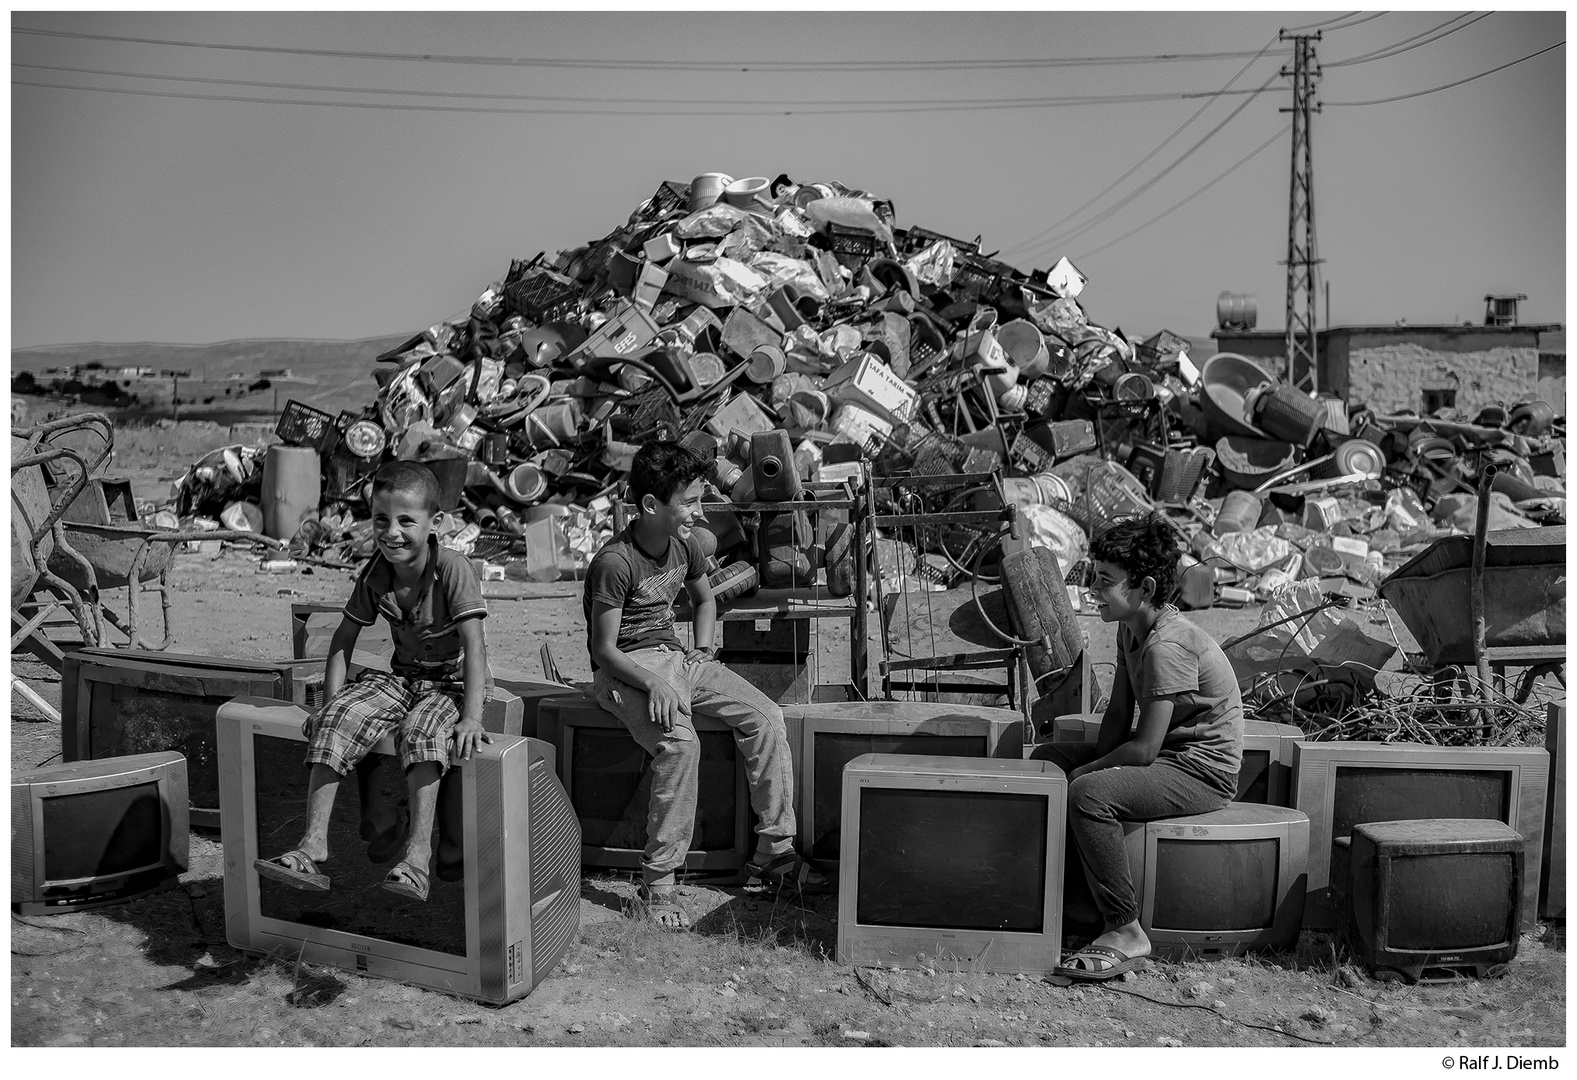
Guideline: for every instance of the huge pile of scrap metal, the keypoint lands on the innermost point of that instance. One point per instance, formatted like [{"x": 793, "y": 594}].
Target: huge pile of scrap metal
[{"x": 723, "y": 308}]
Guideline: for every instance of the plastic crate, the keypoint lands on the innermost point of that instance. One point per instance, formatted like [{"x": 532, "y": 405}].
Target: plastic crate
[
  {"x": 976, "y": 276},
  {"x": 1131, "y": 423},
  {"x": 540, "y": 295},
  {"x": 855, "y": 242},
  {"x": 1290, "y": 415},
  {"x": 671, "y": 195},
  {"x": 917, "y": 239},
  {"x": 302, "y": 425},
  {"x": 1181, "y": 473}
]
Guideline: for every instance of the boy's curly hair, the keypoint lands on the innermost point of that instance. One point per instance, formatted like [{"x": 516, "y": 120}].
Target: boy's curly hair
[
  {"x": 1146, "y": 546},
  {"x": 663, "y": 467}
]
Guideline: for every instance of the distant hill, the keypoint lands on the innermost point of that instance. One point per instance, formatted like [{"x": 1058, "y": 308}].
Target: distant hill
[{"x": 304, "y": 356}]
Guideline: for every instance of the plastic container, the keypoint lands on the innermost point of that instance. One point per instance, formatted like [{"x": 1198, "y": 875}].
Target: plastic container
[
  {"x": 526, "y": 484},
  {"x": 1248, "y": 462},
  {"x": 707, "y": 189},
  {"x": 1239, "y": 512},
  {"x": 1290, "y": 414},
  {"x": 292, "y": 486},
  {"x": 1225, "y": 379},
  {"x": 747, "y": 193}
]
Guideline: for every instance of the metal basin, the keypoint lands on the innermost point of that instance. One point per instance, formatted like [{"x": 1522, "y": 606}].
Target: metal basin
[
  {"x": 110, "y": 550},
  {"x": 1224, "y": 381}
]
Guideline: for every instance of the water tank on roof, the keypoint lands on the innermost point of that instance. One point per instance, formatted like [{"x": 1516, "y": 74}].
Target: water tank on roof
[{"x": 1236, "y": 311}]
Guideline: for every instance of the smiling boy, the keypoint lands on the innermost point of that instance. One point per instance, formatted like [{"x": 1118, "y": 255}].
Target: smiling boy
[
  {"x": 1182, "y": 758},
  {"x": 641, "y": 675},
  {"x": 434, "y": 690}
]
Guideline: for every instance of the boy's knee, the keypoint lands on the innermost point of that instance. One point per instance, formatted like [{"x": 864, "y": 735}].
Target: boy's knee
[
  {"x": 679, "y": 750},
  {"x": 1087, "y": 797}
]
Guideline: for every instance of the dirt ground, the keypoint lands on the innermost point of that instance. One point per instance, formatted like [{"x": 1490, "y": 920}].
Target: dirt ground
[{"x": 754, "y": 971}]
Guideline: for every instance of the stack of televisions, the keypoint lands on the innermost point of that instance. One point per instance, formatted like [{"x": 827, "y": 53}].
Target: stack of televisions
[{"x": 947, "y": 843}]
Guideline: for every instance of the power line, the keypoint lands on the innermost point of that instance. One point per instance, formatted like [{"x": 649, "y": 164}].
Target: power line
[
  {"x": 767, "y": 108},
  {"x": 1328, "y": 29},
  {"x": 662, "y": 65},
  {"x": 1317, "y": 25},
  {"x": 1261, "y": 148},
  {"x": 1409, "y": 44},
  {"x": 1449, "y": 85},
  {"x": 1049, "y": 229},
  {"x": 1080, "y": 230}
]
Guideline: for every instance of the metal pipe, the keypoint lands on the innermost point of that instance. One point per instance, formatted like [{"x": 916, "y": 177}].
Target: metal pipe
[{"x": 1476, "y": 578}]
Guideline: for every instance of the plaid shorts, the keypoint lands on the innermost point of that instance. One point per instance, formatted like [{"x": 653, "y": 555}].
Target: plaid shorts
[{"x": 421, "y": 712}]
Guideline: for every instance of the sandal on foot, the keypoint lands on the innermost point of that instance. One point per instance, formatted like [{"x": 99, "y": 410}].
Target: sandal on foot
[
  {"x": 1081, "y": 966},
  {"x": 662, "y": 907},
  {"x": 788, "y": 869},
  {"x": 407, "y": 880},
  {"x": 294, "y": 868},
  {"x": 389, "y": 843}
]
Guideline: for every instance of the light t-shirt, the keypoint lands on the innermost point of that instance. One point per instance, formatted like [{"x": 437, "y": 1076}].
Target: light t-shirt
[{"x": 1177, "y": 657}]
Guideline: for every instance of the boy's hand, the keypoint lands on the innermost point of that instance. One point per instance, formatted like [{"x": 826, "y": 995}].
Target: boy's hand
[
  {"x": 663, "y": 705},
  {"x": 700, "y": 656},
  {"x": 468, "y": 736}
]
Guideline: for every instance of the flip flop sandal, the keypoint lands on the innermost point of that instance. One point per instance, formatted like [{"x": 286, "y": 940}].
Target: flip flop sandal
[
  {"x": 660, "y": 906},
  {"x": 389, "y": 843},
  {"x": 408, "y": 881},
  {"x": 294, "y": 868},
  {"x": 789, "y": 869},
  {"x": 1117, "y": 963}
]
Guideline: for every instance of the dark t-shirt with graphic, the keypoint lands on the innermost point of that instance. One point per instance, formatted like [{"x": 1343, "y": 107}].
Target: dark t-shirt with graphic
[{"x": 643, "y": 588}]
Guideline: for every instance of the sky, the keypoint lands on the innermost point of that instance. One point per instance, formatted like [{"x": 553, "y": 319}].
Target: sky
[{"x": 349, "y": 196}]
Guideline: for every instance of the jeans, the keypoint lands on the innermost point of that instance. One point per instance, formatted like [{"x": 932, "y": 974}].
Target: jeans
[
  {"x": 1099, "y": 802},
  {"x": 712, "y": 690}
]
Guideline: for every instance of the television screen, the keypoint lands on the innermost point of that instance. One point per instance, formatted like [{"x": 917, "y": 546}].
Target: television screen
[
  {"x": 1479, "y": 885},
  {"x": 610, "y": 786},
  {"x": 103, "y": 833},
  {"x": 953, "y": 860},
  {"x": 1407, "y": 794},
  {"x": 832, "y": 750},
  {"x": 1254, "y": 777},
  {"x": 1216, "y": 884},
  {"x": 355, "y": 904}
]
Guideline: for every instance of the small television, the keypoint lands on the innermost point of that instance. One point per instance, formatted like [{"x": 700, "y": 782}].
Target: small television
[
  {"x": 532, "y": 693},
  {"x": 133, "y": 701},
  {"x": 1217, "y": 884},
  {"x": 1442, "y": 893},
  {"x": 952, "y": 862},
  {"x": 94, "y": 833},
  {"x": 608, "y": 777},
  {"x": 493, "y": 935},
  {"x": 1343, "y": 784},
  {"x": 826, "y": 737}
]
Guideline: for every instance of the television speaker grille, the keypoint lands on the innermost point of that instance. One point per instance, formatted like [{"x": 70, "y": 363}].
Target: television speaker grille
[
  {"x": 490, "y": 890},
  {"x": 555, "y": 839}
]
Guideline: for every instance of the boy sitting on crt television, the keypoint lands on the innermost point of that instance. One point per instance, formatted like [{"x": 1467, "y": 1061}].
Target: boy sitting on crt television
[
  {"x": 1182, "y": 759},
  {"x": 641, "y": 675},
  {"x": 433, "y": 692}
]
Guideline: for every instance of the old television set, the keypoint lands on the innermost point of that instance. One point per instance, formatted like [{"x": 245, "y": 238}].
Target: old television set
[
  {"x": 93, "y": 833},
  {"x": 493, "y": 935},
  {"x": 608, "y": 777},
  {"x": 1343, "y": 784},
  {"x": 1265, "y": 774},
  {"x": 826, "y": 737},
  {"x": 133, "y": 701},
  {"x": 1552, "y": 881},
  {"x": 1437, "y": 894},
  {"x": 955, "y": 863},
  {"x": 1221, "y": 883},
  {"x": 532, "y": 693}
]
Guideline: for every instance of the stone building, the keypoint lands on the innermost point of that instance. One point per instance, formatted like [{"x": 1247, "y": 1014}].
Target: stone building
[{"x": 1423, "y": 368}]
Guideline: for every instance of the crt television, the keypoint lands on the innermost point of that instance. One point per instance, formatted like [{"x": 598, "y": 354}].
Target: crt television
[
  {"x": 135, "y": 701},
  {"x": 1221, "y": 883},
  {"x": 1445, "y": 893},
  {"x": 93, "y": 833},
  {"x": 952, "y": 862},
  {"x": 1552, "y": 883},
  {"x": 826, "y": 737},
  {"x": 1265, "y": 775},
  {"x": 493, "y": 935},
  {"x": 608, "y": 777},
  {"x": 1343, "y": 784}
]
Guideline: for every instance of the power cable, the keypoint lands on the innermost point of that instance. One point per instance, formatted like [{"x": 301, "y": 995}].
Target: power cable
[
  {"x": 1409, "y": 44},
  {"x": 1190, "y": 198},
  {"x": 1080, "y": 230},
  {"x": 1317, "y": 25},
  {"x": 1031, "y": 241},
  {"x": 767, "y": 109},
  {"x": 1326, "y": 28},
  {"x": 1449, "y": 85},
  {"x": 661, "y": 65},
  {"x": 906, "y": 102}
]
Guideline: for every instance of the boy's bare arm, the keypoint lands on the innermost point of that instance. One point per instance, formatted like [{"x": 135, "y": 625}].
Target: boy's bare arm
[
  {"x": 704, "y": 626},
  {"x": 663, "y": 705},
  {"x": 1155, "y": 716},
  {"x": 341, "y": 646},
  {"x": 469, "y": 733},
  {"x": 1118, "y": 717}
]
